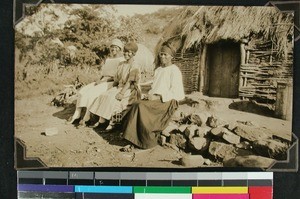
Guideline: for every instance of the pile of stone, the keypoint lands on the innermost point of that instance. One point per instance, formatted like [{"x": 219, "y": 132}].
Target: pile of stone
[{"x": 209, "y": 139}]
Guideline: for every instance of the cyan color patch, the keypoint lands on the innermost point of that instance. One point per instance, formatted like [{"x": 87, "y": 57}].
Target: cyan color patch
[{"x": 103, "y": 189}]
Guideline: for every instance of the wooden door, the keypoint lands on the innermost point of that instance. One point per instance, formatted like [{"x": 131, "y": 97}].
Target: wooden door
[{"x": 223, "y": 68}]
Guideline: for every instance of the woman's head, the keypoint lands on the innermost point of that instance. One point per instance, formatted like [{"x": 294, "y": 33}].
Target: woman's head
[
  {"x": 166, "y": 55},
  {"x": 116, "y": 46},
  {"x": 130, "y": 50}
]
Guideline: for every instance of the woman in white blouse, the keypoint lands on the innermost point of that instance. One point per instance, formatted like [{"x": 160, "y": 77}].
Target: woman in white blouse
[
  {"x": 125, "y": 91},
  {"x": 90, "y": 92},
  {"x": 145, "y": 120}
]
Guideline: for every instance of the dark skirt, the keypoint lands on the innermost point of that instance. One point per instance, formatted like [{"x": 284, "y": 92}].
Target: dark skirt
[{"x": 145, "y": 120}]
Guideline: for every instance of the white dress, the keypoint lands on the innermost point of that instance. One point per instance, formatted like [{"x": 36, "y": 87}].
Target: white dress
[
  {"x": 106, "y": 105},
  {"x": 168, "y": 83},
  {"x": 88, "y": 93}
]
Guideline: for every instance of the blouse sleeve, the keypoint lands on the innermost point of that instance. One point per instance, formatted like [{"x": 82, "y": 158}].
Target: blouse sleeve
[
  {"x": 117, "y": 76},
  {"x": 150, "y": 92},
  {"x": 134, "y": 74},
  {"x": 176, "y": 90}
]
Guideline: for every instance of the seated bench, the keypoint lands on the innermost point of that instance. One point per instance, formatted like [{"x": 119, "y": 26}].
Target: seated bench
[{"x": 118, "y": 116}]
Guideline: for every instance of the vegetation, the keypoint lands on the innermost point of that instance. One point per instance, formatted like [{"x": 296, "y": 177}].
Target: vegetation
[{"x": 55, "y": 44}]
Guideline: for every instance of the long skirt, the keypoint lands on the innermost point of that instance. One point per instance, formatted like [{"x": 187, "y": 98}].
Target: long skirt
[
  {"x": 145, "y": 120},
  {"x": 106, "y": 105},
  {"x": 88, "y": 94}
]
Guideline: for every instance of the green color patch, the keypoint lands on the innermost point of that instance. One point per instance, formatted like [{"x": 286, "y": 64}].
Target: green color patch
[{"x": 156, "y": 189}]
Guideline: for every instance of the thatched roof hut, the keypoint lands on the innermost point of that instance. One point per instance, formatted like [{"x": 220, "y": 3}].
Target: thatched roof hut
[
  {"x": 229, "y": 51},
  {"x": 210, "y": 24}
]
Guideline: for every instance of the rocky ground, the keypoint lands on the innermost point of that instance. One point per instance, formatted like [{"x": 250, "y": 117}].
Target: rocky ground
[{"x": 205, "y": 132}]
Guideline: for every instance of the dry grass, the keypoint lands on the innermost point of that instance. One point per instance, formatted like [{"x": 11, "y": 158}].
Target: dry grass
[
  {"x": 38, "y": 82},
  {"x": 204, "y": 24},
  {"x": 49, "y": 80}
]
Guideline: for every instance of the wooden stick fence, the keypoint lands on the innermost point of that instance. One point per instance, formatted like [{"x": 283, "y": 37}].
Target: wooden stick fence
[{"x": 261, "y": 71}]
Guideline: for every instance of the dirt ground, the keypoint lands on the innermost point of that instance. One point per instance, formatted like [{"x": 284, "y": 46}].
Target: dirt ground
[{"x": 83, "y": 147}]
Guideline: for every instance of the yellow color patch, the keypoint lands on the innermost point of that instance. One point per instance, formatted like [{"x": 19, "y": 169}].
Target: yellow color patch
[{"x": 216, "y": 190}]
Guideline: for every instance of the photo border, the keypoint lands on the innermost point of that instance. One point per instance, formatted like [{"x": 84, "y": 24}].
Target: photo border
[
  {"x": 283, "y": 166},
  {"x": 286, "y": 185}
]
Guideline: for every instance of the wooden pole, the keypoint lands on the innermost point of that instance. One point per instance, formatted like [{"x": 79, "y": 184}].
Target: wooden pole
[
  {"x": 271, "y": 54},
  {"x": 243, "y": 61},
  {"x": 244, "y": 56},
  {"x": 202, "y": 71}
]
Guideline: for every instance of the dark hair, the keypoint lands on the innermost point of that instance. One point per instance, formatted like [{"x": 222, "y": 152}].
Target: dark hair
[
  {"x": 168, "y": 50},
  {"x": 131, "y": 46}
]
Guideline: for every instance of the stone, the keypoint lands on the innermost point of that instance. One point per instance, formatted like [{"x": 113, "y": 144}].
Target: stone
[
  {"x": 182, "y": 127},
  {"x": 271, "y": 148},
  {"x": 202, "y": 131},
  {"x": 214, "y": 122},
  {"x": 207, "y": 162},
  {"x": 248, "y": 123},
  {"x": 231, "y": 137},
  {"x": 231, "y": 126},
  {"x": 190, "y": 131},
  {"x": 243, "y": 152},
  {"x": 178, "y": 140},
  {"x": 195, "y": 119},
  {"x": 203, "y": 117},
  {"x": 200, "y": 105},
  {"x": 199, "y": 144},
  {"x": 244, "y": 145},
  {"x": 172, "y": 146},
  {"x": 221, "y": 150},
  {"x": 252, "y": 133},
  {"x": 217, "y": 131},
  {"x": 51, "y": 131},
  {"x": 171, "y": 127},
  {"x": 249, "y": 161},
  {"x": 177, "y": 115},
  {"x": 192, "y": 160},
  {"x": 162, "y": 139}
]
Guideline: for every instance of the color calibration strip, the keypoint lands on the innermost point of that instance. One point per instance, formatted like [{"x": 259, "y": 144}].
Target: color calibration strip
[{"x": 141, "y": 185}]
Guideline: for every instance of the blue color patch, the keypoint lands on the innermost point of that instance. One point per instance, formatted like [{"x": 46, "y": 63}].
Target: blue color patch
[{"x": 103, "y": 189}]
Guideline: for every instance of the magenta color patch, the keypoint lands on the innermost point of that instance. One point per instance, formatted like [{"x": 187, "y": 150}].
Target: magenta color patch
[{"x": 221, "y": 196}]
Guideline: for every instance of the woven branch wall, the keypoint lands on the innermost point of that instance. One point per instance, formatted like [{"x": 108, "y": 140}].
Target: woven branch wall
[
  {"x": 189, "y": 66},
  {"x": 259, "y": 75},
  {"x": 262, "y": 70}
]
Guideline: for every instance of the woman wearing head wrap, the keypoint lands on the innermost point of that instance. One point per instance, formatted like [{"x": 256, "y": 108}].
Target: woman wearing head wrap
[
  {"x": 90, "y": 92},
  {"x": 145, "y": 120},
  {"x": 124, "y": 92}
]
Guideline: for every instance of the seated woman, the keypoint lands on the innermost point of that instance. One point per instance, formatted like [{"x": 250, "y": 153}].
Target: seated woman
[
  {"x": 90, "y": 92},
  {"x": 124, "y": 92},
  {"x": 145, "y": 120}
]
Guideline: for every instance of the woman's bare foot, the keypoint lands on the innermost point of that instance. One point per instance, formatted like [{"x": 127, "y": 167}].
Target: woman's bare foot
[
  {"x": 83, "y": 123},
  {"x": 72, "y": 120}
]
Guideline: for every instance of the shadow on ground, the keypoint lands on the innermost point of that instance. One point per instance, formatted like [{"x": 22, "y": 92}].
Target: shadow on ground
[
  {"x": 66, "y": 112},
  {"x": 113, "y": 137},
  {"x": 69, "y": 110},
  {"x": 251, "y": 107}
]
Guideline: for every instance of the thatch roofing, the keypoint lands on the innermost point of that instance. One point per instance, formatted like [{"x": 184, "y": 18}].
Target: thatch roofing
[{"x": 209, "y": 24}]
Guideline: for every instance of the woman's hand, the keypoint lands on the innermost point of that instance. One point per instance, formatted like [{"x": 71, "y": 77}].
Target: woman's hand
[
  {"x": 154, "y": 97},
  {"x": 119, "y": 96},
  {"x": 145, "y": 97}
]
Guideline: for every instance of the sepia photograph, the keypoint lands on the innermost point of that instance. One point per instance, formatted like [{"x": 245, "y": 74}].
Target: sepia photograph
[{"x": 153, "y": 86}]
